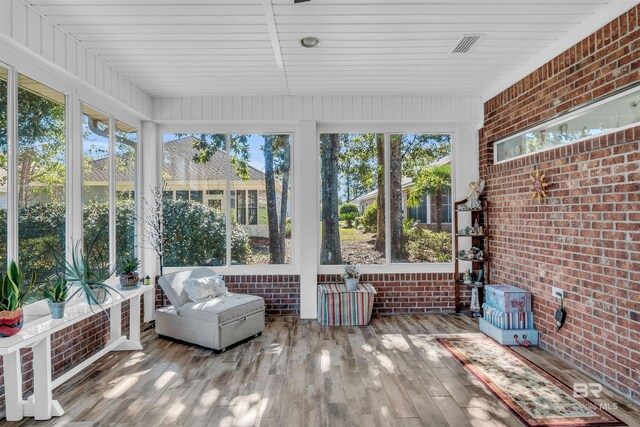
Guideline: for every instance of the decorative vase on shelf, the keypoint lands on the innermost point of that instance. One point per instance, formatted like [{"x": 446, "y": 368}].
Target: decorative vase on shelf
[
  {"x": 352, "y": 284},
  {"x": 11, "y": 322}
]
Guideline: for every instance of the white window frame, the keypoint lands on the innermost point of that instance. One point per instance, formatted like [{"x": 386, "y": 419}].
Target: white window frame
[
  {"x": 564, "y": 117},
  {"x": 73, "y": 149},
  {"x": 282, "y": 128},
  {"x": 113, "y": 261},
  {"x": 388, "y": 129}
]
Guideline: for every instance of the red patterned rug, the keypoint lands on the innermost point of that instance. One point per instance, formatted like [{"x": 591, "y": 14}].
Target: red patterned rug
[{"x": 533, "y": 395}]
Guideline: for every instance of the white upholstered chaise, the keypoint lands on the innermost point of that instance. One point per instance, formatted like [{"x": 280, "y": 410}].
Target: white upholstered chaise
[{"x": 216, "y": 323}]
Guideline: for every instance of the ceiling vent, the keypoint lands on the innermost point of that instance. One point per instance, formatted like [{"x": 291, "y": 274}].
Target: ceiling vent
[{"x": 467, "y": 42}]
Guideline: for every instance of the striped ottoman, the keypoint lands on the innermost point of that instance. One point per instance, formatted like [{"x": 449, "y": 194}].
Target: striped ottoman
[{"x": 338, "y": 306}]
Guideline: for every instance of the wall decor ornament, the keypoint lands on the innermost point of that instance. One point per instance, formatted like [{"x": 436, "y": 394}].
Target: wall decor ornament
[{"x": 538, "y": 185}]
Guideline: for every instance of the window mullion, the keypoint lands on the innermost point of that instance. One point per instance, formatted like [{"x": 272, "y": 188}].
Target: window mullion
[
  {"x": 228, "y": 196},
  {"x": 387, "y": 198},
  {"x": 12, "y": 165},
  {"x": 112, "y": 192}
]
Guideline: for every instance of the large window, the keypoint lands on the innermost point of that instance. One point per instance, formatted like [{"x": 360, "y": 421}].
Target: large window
[
  {"x": 40, "y": 176},
  {"x": 95, "y": 184},
  {"x": 227, "y": 194},
  {"x": 354, "y": 170}
]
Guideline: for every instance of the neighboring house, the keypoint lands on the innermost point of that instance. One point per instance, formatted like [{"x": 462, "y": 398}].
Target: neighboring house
[
  {"x": 199, "y": 182},
  {"x": 423, "y": 213}
]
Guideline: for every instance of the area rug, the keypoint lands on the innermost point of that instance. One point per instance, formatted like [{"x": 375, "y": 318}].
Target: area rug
[{"x": 533, "y": 395}]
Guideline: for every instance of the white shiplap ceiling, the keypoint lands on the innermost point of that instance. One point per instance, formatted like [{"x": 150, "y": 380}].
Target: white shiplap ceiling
[{"x": 374, "y": 47}]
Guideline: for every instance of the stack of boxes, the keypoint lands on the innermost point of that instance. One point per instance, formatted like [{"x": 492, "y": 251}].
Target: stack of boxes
[{"x": 508, "y": 317}]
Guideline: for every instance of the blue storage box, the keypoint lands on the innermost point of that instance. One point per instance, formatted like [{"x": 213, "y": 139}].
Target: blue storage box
[
  {"x": 509, "y": 336},
  {"x": 507, "y": 320},
  {"x": 508, "y": 298}
]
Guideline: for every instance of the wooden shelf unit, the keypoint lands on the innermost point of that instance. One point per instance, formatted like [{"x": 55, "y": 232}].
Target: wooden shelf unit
[{"x": 481, "y": 241}]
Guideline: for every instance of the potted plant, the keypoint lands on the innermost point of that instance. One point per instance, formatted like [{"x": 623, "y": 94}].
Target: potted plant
[
  {"x": 351, "y": 277},
  {"x": 56, "y": 292},
  {"x": 86, "y": 277},
  {"x": 12, "y": 299},
  {"x": 128, "y": 275}
]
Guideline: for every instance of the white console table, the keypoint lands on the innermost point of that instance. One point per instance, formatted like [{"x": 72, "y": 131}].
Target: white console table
[{"x": 36, "y": 335}]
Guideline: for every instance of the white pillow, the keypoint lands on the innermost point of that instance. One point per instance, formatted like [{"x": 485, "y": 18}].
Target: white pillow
[{"x": 204, "y": 288}]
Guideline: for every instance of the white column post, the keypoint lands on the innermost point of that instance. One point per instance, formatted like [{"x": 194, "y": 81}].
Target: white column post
[
  {"x": 74, "y": 172},
  {"x": 44, "y": 407},
  {"x": 115, "y": 322},
  {"x": 151, "y": 161},
  {"x": 12, "y": 166},
  {"x": 12, "y": 386},
  {"x": 305, "y": 229}
]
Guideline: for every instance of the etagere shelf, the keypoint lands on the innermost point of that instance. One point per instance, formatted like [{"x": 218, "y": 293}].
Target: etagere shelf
[{"x": 481, "y": 241}]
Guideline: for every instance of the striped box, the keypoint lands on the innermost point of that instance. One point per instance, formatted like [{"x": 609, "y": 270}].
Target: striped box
[
  {"x": 507, "y": 320},
  {"x": 338, "y": 306}
]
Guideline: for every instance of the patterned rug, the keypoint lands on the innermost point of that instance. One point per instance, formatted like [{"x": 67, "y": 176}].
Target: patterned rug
[{"x": 533, "y": 395}]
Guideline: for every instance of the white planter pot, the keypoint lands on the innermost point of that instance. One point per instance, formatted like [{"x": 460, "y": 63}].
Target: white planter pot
[{"x": 352, "y": 284}]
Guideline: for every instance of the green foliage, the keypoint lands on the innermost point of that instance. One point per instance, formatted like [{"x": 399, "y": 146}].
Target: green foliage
[
  {"x": 56, "y": 290},
  {"x": 349, "y": 208},
  {"x": 288, "y": 227},
  {"x": 358, "y": 167},
  {"x": 369, "y": 219},
  {"x": 348, "y": 218},
  {"x": 12, "y": 292},
  {"x": 429, "y": 246},
  {"x": 196, "y": 235},
  {"x": 348, "y": 213},
  {"x": 408, "y": 224},
  {"x": 430, "y": 180},
  {"x": 128, "y": 265}
]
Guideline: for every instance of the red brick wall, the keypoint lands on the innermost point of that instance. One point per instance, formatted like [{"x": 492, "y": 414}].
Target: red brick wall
[
  {"x": 585, "y": 237},
  {"x": 408, "y": 293},
  {"x": 281, "y": 293},
  {"x": 69, "y": 347}
]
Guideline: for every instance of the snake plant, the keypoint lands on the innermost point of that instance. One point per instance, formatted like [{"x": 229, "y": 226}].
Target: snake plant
[
  {"x": 12, "y": 295},
  {"x": 56, "y": 290}
]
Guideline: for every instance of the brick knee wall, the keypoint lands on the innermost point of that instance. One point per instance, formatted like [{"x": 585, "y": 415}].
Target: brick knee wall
[
  {"x": 409, "y": 293},
  {"x": 585, "y": 237},
  {"x": 281, "y": 293}
]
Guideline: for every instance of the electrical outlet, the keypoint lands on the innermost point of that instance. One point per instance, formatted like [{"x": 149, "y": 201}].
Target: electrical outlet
[{"x": 555, "y": 291}]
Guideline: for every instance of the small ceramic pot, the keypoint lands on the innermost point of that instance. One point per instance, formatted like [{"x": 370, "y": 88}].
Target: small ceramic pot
[
  {"x": 57, "y": 309},
  {"x": 352, "y": 284},
  {"x": 129, "y": 280},
  {"x": 11, "y": 322}
]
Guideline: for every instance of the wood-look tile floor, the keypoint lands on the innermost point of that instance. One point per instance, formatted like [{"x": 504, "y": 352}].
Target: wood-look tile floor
[{"x": 390, "y": 373}]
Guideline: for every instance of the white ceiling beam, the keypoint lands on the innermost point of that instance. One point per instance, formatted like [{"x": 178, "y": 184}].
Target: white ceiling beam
[{"x": 275, "y": 41}]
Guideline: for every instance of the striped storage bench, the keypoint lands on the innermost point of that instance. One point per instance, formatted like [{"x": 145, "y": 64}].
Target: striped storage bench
[{"x": 338, "y": 306}]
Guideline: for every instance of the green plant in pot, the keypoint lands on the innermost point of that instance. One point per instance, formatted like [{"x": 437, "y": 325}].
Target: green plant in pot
[
  {"x": 12, "y": 298},
  {"x": 128, "y": 275},
  {"x": 56, "y": 291},
  {"x": 86, "y": 277}
]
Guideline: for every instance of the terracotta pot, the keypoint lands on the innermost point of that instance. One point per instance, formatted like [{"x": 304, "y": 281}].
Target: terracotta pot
[
  {"x": 11, "y": 322},
  {"x": 129, "y": 280}
]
